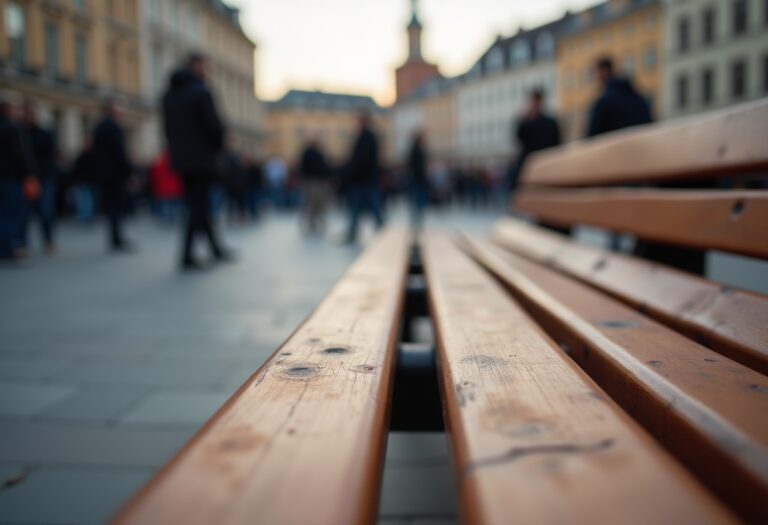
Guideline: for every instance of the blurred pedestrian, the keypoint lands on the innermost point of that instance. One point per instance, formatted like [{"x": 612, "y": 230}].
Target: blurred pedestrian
[
  {"x": 42, "y": 145},
  {"x": 619, "y": 105},
  {"x": 195, "y": 134},
  {"x": 166, "y": 188},
  {"x": 418, "y": 181},
  {"x": 113, "y": 171},
  {"x": 315, "y": 178},
  {"x": 276, "y": 178},
  {"x": 362, "y": 178},
  {"x": 16, "y": 184},
  {"x": 82, "y": 179},
  {"x": 535, "y": 131},
  {"x": 255, "y": 177},
  {"x": 235, "y": 181}
]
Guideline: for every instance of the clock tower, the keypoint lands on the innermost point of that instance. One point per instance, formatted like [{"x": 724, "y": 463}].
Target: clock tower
[{"x": 416, "y": 70}]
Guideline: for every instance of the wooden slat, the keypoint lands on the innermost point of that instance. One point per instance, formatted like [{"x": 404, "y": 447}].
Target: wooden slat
[
  {"x": 731, "y": 321},
  {"x": 533, "y": 438},
  {"x": 733, "y": 221},
  {"x": 716, "y": 144},
  {"x": 708, "y": 410},
  {"x": 303, "y": 440}
]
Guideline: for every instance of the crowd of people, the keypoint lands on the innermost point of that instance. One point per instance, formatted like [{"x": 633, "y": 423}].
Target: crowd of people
[{"x": 200, "y": 175}]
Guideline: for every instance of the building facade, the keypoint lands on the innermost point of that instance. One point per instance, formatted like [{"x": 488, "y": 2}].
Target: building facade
[
  {"x": 716, "y": 54},
  {"x": 629, "y": 31},
  {"x": 496, "y": 90},
  {"x": 68, "y": 56},
  {"x": 330, "y": 117}
]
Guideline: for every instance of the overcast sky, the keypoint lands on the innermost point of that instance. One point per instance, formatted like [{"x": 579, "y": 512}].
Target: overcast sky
[{"x": 354, "y": 45}]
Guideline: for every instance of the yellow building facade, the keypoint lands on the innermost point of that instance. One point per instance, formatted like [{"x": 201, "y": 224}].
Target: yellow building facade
[
  {"x": 629, "y": 31},
  {"x": 68, "y": 56},
  {"x": 333, "y": 118}
]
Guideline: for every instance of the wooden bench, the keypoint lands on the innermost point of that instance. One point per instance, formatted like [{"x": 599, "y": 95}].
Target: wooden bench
[{"x": 577, "y": 385}]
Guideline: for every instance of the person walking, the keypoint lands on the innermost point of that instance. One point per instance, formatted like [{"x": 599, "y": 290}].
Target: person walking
[
  {"x": 418, "y": 181},
  {"x": 113, "y": 170},
  {"x": 42, "y": 145},
  {"x": 535, "y": 131},
  {"x": 195, "y": 134},
  {"x": 619, "y": 105},
  {"x": 362, "y": 178},
  {"x": 315, "y": 177},
  {"x": 16, "y": 184}
]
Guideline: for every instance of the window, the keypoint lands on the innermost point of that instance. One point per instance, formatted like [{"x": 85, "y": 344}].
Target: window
[
  {"x": 708, "y": 26},
  {"x": 52, "y": 50},
  {"x": 650, "y": 58},
  {"x": 545, "y": 45},
  {"x": 683, "y": 35},
  {"x": 495, "y": 60},
  {"x": 81, "y": 60},
  {"x": 739, "y": 79},
  {"x": 707, "y": 86},
  {"x": 740, "y": 17},
  {"x": 765, "y": 12},
  {"x": 682, "y": 92},
  {"x": 520, "y": 53},
  {"x": 15, "y": 28},
  {"x": 79, "y": 4},
  {"x": 650, "y": 21}
]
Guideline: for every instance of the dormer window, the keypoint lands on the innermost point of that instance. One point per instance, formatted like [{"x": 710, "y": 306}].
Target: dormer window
[
  {"x": 545, "y": 46},
  {"x": 495, "y": 60},
  {"x": 521, "y": 54}
]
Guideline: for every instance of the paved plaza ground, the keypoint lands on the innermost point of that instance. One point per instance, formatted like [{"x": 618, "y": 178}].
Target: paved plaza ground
[{"x": 108, "y": 364}]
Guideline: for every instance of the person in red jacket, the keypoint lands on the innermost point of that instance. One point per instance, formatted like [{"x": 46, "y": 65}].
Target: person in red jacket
[{"x": 166, "y": 188}]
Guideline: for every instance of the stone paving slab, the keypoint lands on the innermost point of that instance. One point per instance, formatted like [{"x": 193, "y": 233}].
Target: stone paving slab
[
  {"x": 95, "y": 406},
  {"x": 170, "y": 409},
  {"x": 29, "y": 399},
  {"x": 75, "y": 495},
  {"x": 59, "y": 444}
]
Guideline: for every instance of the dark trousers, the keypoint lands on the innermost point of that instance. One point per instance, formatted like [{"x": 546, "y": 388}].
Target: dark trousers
[
  {"x": 362, "y": 198},
  {"x": 197, "y": 197},
  {"x": 43, "y": 210},
  {"x": 12, "y": 217},
  {"x": 113, "y": 200}
]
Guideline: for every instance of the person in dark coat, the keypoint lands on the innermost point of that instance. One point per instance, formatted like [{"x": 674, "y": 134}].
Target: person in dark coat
[
  {"x": 16, "y": 170},
  {"x": 535, "y": 131},
  {"x": 315, "y": 179},
  {"x": 418, "y": 181},
  {"x": 362, "y": 178},
  {"x": 113, "y": 170},
  {"x": 619, "y": 106},
  {"x": 42, "y": 145},
  {"x": 195, "y": 135}
]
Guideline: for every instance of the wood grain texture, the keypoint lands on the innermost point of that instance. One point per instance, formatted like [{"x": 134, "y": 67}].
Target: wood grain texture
[
  {"x": 732, "y": 221},
  {"x": 708, "y": 410},
  {"x": 303, "y": 440},
  {"x": 731, "y": 321},
  {"x": 716, "y": 144},
  {"x": 533, "y": 438}
]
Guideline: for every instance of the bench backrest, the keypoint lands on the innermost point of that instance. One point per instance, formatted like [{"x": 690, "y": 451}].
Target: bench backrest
[{"x": 559, "y": 186}]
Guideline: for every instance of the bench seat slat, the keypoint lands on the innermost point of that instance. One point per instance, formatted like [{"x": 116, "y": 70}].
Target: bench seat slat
[
  {"x": 704, "y": 407},
  {"x": 716, "y": 144},
  {"x": 731, "y": 321},
  {"x": 534, "y": 439},
  {"x": 303, "y": 440},
  {"x": 732, "y": 221}
]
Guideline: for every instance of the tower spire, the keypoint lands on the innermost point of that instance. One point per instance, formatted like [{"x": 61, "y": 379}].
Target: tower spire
[{"x": 415, "y": 22}]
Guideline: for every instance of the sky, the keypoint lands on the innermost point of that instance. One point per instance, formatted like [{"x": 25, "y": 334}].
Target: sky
[{"x": 353, "y": 46}]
